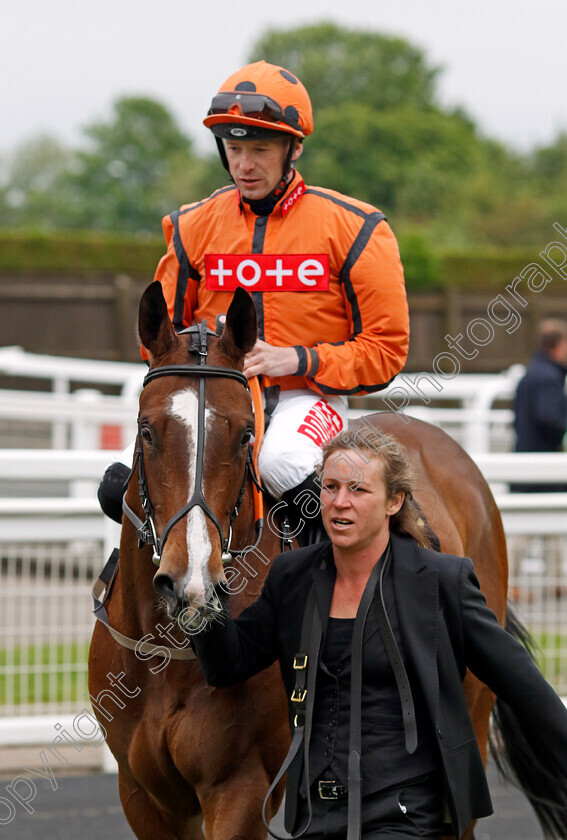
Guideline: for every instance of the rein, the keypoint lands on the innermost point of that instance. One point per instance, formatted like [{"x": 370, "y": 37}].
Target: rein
[{"x": 146, "y": 530}]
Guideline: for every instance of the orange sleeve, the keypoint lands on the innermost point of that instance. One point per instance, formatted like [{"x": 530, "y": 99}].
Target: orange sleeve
[
  {"x": 173, "y": 277},
  {"x": 376, "y": 300}
]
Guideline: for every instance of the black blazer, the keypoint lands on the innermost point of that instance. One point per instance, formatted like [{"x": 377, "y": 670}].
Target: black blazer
[{"x": 446, "y": 628}]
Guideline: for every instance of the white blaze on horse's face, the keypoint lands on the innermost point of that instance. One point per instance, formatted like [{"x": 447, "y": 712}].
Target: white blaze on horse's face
[{"x": 184, "y": 406}]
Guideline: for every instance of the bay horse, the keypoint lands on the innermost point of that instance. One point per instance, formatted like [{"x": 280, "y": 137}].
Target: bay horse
[{"x": 187, "y": 753}]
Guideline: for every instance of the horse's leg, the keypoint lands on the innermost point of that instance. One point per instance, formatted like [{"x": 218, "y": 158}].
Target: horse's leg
[
  {"x": 231, "y": 816},
  {"x": 233, "y": 810},
  {"x": 193, "y": 829},
  {"x": 144, "y": 817}
]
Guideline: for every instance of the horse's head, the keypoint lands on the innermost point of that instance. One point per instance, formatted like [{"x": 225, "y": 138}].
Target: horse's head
[{"x": 195, "y": 425}]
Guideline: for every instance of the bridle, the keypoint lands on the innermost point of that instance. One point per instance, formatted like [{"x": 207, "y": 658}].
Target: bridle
[{"x": 146, "y": 530}]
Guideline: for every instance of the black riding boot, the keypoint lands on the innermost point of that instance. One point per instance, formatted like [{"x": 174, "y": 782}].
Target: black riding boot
[
  {"x": 111, "y": 490},
  {"x": 304, "y": 512}
]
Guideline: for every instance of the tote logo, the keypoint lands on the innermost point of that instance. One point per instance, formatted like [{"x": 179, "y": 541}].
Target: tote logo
[
  {"x": 288, "y": 203},
  {"x": 267, "y": 272}
]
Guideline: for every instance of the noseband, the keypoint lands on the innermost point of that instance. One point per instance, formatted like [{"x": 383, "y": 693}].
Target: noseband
[{"x": 146, "y": 531}]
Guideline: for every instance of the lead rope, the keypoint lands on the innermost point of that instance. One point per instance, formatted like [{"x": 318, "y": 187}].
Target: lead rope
[
  {"x": 303, "y": 695},
  {"x": 397, "y": 665},
  {"x": 355, "y": 736},
  {"x": 371, "y": 596}
]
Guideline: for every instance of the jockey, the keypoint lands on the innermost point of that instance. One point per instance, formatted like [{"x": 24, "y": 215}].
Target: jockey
[{"x": 323, "y": 269}]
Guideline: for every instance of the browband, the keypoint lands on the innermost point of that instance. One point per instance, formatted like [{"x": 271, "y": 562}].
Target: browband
[{"x": 195, "y": 370}]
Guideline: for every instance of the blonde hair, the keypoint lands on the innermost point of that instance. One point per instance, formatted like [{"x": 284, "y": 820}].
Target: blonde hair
[{"x": 397, "y": 472}]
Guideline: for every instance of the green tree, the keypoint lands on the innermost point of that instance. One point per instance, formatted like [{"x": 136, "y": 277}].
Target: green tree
[
  {"x": 381, "y": 135},
  {"x": 116, "y": 183},
  {"x": 132, "y": 170},
  {"x": 341, "y": 66},
  {"x": 404, "y": 160},
  {"x": 549, "y": 168},
  {"x": 30, "y": 194},
  {"x": 549, "y": 163}
]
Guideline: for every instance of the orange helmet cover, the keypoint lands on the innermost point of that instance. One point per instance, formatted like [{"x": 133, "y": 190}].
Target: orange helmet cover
[{"x": 275, "y": 83}]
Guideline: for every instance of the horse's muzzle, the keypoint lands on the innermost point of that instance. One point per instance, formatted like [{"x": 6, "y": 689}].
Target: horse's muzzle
[{"x": 187, "y": 609}]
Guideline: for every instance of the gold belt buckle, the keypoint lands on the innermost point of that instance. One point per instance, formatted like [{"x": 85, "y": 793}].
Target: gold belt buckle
[{"x": 298, "y": 695}]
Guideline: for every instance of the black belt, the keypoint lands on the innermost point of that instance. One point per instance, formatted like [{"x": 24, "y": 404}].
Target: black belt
[{"x": 328, "y": 789}]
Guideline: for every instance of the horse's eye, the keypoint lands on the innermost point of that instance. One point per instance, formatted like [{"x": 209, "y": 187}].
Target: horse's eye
[
  {"x": 147, "y": 434},
  {"x": 246, "y": 437}
]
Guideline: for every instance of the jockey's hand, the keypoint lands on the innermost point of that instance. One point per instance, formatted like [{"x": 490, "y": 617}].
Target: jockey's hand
[{"x": 270, "y": 360}]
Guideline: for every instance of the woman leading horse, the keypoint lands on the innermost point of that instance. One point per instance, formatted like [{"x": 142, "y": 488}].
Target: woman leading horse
[{"x": 388, "y": 628}]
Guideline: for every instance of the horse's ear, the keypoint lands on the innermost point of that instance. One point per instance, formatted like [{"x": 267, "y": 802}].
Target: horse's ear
[
  {"x": 241, "y": 327},
  {"x": 154, "y": 327}
]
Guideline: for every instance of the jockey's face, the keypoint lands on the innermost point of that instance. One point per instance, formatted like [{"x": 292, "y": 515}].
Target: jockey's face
[{"x": 257, "y": 165}]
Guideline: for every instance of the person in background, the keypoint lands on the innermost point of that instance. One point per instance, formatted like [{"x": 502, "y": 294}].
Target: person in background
[
  {"x": 540, "y": 405},
  {"x": 323, "y": 269}
]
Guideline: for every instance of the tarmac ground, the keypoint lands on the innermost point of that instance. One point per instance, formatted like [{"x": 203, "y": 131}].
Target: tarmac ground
[{"x": 87, "y": 807}]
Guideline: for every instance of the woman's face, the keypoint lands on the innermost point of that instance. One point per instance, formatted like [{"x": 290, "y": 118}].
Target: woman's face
[{"x": 355, "y": 508}]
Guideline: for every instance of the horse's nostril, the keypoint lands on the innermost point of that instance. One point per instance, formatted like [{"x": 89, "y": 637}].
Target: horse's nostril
[{"x": 164, "y": 586}]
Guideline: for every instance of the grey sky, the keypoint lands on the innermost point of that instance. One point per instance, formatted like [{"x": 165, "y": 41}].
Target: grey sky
[{"x": 63, "y": 62}]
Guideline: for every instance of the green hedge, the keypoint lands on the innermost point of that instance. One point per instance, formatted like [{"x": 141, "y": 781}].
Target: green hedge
[
  {"x": 79, "y": 252},
  {"x": 424, "y": 267},
  {"x": 485, "y": 270}
]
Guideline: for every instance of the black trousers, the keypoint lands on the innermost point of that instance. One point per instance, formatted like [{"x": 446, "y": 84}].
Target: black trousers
[{"x": 412, "y": 809}]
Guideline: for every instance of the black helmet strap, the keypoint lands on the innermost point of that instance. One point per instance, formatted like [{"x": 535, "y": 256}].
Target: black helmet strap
[{"x": 222, "y": 153}]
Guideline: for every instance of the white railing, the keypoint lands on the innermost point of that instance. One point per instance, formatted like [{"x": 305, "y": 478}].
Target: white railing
[
  {"x": 54, "y": 546},
  {"x": 474, "y": 422},
  {"x": 61, "y": 371},
  {"x": 527, "y": 513},
  {"x": 473, "y": 391},
  {"x": 67, "y": 418},
  {"x": 476, "y": 429},
  {"x": 73, "y": 514},
  {"x": 55, "y": 539},
  {"x": 81, "y": 471},
  {"x": 84, "y": 419},
  {"x": 78, "y": 418}
]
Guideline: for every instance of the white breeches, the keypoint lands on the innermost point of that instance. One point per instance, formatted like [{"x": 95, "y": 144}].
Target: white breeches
[{"x": 301, "y": 423}]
